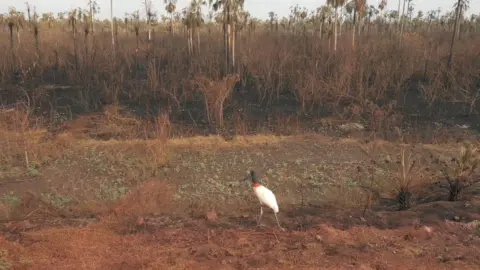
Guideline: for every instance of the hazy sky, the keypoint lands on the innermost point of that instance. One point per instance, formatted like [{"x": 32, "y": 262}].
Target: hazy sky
[{"x": 258, "y": 8}]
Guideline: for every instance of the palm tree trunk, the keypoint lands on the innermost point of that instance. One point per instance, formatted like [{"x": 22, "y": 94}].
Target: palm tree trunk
[
  {"x": 340, "y": 24},
  {"x": 113, "y": 32},
  {"x": 360, "y": 28},
  {"x": 335, "y": 31},
  {"x": 368, "y": 26},
  {"x": 18, "y": 36},
  {"x": 198, "y": 40},
  {"x": 399, "y": 17},
  {"x": 233, "y": 45},
  {"x": 189, "y": 41},
  {"x": 354, "y": 26},
  {"x": 12, "y": 47},
  {"x": 74, "y": 40},
  {"x": 321, "y": 30},
  {"x": 402, "y": 21},
  {"x": 226, "y": 27},
  {"x": 450, "y": 56},
  {"x": 459, "y": 22}
]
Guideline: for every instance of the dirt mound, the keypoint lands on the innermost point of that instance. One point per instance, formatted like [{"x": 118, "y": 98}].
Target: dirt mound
[{"x": 150, "y": 198}]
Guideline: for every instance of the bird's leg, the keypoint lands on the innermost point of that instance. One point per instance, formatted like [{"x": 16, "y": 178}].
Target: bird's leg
[
  {"x": 261, "y": 213},
  {"x": 278, "y": 223}
]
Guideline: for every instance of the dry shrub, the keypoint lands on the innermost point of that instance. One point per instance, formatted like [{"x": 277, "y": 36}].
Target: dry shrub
[
  {"x": 28, "y": 206},
  {"x": 215, "y": 93},
  {"x": 284, "y": 124},
  {"x": 91, "y": 247},
  {"x": 21, "y": 141},
  {"x": 151, "y": 197},
  {"x": 461, "y": 171},
  {"x": 381, "y": 118},
  {"x": 162, "y": 127},
  {"x": 15, "y": 133},
  {"x": 114, "y": 122},
  {"x": 240, "y": 126},
  {"x": 158, "y": 127},
  {"x": 370, "y": 182},
  {"x": 117, "y": 123}
]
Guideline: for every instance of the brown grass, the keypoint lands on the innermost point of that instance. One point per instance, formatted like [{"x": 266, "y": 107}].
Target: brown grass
[{"x": 275, "y": 68}]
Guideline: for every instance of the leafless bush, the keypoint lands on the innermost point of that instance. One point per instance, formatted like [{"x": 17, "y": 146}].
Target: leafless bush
[{"x": 215, "y": 94}]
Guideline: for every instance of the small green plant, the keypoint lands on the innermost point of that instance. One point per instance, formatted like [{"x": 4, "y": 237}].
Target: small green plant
[
  {"x": 8, "y": 202},
  {"x": 461, "y": 171},
  {"x": 5, "y": 263},
  {"x": 111, "y": 191},
  {"x": 25, "y": 261},
  {"x": 33, "y": 169},
  {"x": 405, "y": 170},
  {"x": 11, "y": 199},
  {"x": 367, "y": 175},
  {"x": 57, "y": 200}
]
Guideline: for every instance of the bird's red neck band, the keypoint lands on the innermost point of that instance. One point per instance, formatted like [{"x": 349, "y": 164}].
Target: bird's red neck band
[{"x": 255, "y": 185}]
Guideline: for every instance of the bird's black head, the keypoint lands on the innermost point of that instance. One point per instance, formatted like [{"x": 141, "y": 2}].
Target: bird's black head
[{"x": 252, "y": 176}]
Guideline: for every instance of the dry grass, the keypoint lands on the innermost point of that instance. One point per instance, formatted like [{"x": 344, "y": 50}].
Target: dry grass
[
  {"x": 276, "y": 70},
  {"x": 93, "y": 247}
]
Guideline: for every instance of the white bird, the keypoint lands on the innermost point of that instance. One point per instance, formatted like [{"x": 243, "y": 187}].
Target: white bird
[{"x": 264, "y": 195}]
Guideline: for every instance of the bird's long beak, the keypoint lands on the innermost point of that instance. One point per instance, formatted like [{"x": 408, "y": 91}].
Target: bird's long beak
[{"x": 244, "y": 179}]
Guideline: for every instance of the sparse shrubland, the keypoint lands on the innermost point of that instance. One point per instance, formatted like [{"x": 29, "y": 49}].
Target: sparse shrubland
[
  {"x": 121, "y": 137},
  {"x": 284, "y": 69}
]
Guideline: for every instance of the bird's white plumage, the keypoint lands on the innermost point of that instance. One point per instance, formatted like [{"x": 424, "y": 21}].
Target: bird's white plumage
[{"x": 266, "y": 197}]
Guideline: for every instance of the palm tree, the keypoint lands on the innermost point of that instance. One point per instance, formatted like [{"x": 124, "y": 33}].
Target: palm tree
[
  {"x": 404, "y": 16},
  {"x": 460, "y": 6},
  {"x": 14, "y": 19},
  {"x": 237, "y": 8},
  {"x": 72, "y": 21},
  {"x": 230, "y": 12},
  {"x": 431, "y": 15},
  {"x": 193, "y": 20},
  {"x": 323, "y": 13},
  {"x": 17, "y": 19},
  {"x": 244, "y": 18},
  {"x": 94, "y": 9},
  {"x": 48, "y": 19},
  {"x": 149, "y": 12},
  {"x": 463, "y": 5},
  {"x": 382, "y": 5},
  {"x": 356, "y": 6},
  {"x": 171, "y": 6},
  {"x": 335, "y": 4},
  {"x": 272, "y": 17},
  {"x": 372, "y": 10}
]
